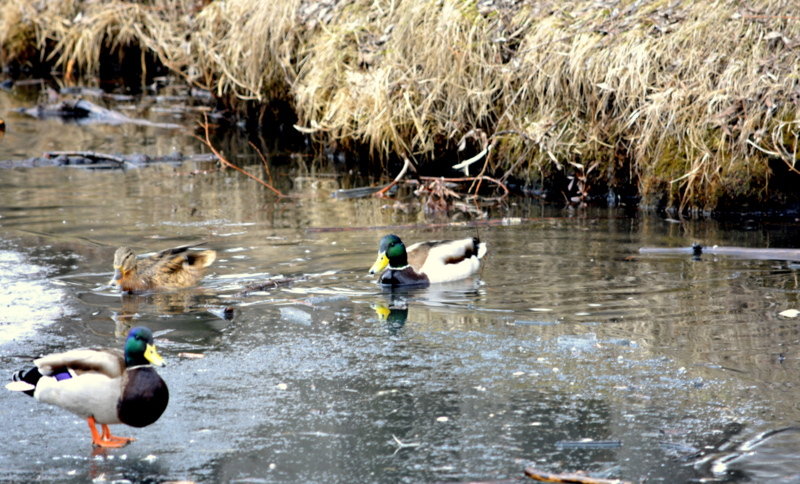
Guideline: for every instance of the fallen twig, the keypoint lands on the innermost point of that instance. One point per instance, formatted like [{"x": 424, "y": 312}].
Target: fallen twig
[
  {"x": 464, "y": 165},
  {"x": 480, "y": 177},
  {"x": 570, "y": 478},
  {"x": 225, "y": 162},
  {"x": 382, "y": 191},
  {"x": 263, "y": 160},
  {"x": 485, "y": 147},
  {"x": 404, "y": 445},
  {"x": 401, "y": 444},
  {"x": 470, "y": 179}
]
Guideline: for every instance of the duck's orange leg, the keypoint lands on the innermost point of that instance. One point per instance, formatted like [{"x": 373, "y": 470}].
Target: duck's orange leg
[
  {"x": 113, "y": 438},
  {"x": 106, "y": 439}
]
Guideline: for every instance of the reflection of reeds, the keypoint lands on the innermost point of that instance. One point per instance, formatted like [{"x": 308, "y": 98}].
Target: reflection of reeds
[{"x": 694, "y": 102}]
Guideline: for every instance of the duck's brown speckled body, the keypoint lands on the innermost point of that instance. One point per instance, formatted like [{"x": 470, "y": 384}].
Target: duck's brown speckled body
[{"x": 169, "y": 269}]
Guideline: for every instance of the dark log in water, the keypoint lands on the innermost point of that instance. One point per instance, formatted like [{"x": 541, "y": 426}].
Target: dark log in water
[
  {"x": 96, "y": 160},
  {"x": 83, "y": 111},
  {"x": 697, "y": 250}
]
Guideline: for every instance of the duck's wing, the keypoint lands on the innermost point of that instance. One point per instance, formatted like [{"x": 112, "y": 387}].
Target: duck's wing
[
  {"x": 418, "y": 253},
  {"x": 108, "y": 361},
  {"x": 175, "y": 251},
  {"x": 201, "y": 258},
  {"x": 454, "y": 251},
  {"x": 453, "y": 260},
  {"x": 174, "y": 260}
]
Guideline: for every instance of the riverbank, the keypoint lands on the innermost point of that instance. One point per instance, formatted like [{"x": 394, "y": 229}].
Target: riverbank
[{"x": 683, "y": 104}]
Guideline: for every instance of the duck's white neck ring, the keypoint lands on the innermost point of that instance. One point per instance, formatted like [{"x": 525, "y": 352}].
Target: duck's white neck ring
[
  {"x": 400, "y": 268},
  {"x": 137, "y": 367}
]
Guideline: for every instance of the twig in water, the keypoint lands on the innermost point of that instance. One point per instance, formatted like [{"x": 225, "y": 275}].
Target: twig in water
[
  {"x": 480, "y": 135},
  {"x": 573, "y": 478},
  {"x": 470, "y": 178},
  {"x": 404, "y": 445},
  {"x": 479, "y": 179},
  {"x": 225, "y": 162},
  {"x": 464, "y": 165},
  {"x": 263, "y": 160},
  {"x": 382, "y": 191}
]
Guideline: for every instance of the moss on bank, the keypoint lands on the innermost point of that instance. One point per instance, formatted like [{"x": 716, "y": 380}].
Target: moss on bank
[{"x": 696, "y": 103}]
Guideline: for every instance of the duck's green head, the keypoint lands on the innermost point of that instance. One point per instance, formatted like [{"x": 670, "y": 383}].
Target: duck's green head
[
  {"x": 140, "y": 348},
  {"x": 391, "y": 252}
]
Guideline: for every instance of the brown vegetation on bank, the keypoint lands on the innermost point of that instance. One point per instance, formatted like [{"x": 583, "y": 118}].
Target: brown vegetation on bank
[{"x": 694, "y": 102}]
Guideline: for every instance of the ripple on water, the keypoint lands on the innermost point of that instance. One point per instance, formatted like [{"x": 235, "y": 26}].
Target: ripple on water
[{"x": 28, "y": 299}]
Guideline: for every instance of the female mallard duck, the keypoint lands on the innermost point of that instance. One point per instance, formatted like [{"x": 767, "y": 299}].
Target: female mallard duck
[
  {"x": 169, "y": 269},
  {"x": 427, "y": 262},
  {"x": 105, "y": 386}
]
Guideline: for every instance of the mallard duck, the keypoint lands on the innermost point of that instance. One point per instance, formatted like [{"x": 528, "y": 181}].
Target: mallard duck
[
  {"x": 104, "y": 385},
  {"x": 427, "y": 262},
  {"x": 169, "y": 269}
]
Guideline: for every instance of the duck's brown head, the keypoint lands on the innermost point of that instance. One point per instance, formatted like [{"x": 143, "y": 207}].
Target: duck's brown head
[{"x": 124, "y": 263}]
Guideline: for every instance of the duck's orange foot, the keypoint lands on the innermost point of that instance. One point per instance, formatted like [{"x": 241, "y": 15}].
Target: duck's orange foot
[
  {"x": 114, "y": 442},
  {"x": 106, "y": 439}
]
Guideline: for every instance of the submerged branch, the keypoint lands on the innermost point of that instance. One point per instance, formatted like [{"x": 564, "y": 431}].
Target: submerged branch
[
  {"x": 88, "y": 112},
  {"x": 571, "y": 477},
  {"x": 406, "y": 164},
  {"x": 207, "y": 141},
  {"x": 263, "y": 160},
  {"x": 87, "y": 154},
  {"x": 471, "y": 179}
]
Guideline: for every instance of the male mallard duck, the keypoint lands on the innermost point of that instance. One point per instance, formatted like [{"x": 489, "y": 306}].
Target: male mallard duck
[
  {"x": 427, "y": 262},
  {"x": 169, "y": 269},
  {"x": 104, "y": 386}
]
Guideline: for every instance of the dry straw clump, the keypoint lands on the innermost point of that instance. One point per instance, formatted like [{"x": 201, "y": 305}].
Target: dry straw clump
[
  {"x": 695, "y": 102},
  {"x": 694, "y": 97},
  {"x": 74, "y": 34}
]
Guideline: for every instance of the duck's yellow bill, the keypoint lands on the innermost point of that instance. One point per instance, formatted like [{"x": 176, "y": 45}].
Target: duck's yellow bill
[
  {"x": 380, "y": 264},
  {"x": 153, "y": 357}
]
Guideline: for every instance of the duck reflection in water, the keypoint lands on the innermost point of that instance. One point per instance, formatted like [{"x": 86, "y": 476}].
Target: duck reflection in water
[
  {"x": 394, "y": 314},
  {"x": 189, "y": 301}
]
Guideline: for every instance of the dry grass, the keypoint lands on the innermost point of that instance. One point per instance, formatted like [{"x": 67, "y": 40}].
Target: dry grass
[{"x": 694, "y": 101}]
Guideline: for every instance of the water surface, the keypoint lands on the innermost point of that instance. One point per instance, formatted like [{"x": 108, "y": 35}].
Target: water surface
[{"x": 570, "y": 351}]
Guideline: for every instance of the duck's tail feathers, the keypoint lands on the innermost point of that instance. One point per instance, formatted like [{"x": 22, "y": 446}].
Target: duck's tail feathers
[
  {"x": 25, "y": 380},
  {"x": 481, "y": 246},
  {"x": 202, "y": 258}
]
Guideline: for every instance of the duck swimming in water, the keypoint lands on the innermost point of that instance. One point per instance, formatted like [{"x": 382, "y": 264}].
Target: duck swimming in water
[
  {"x": 427, "y": 262},
  {"x": 169, "y": 269}
]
